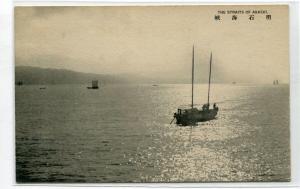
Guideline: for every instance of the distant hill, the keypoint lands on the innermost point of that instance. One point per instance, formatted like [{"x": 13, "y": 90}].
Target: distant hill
[{"x": 36, "y": 75}]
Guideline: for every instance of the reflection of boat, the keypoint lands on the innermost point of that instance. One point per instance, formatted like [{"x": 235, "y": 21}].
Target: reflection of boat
[
  {"x": 193, "y": 115},
  {"x": 94, "y": 85},
  {"x": 234, "y": 83}
]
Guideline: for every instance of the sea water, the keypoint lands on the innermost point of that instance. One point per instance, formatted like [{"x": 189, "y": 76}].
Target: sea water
[{"x": 122, "y": 133}]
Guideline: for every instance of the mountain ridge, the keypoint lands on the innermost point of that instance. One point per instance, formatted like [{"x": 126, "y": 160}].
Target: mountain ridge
[{"x": 36, "y": 75}]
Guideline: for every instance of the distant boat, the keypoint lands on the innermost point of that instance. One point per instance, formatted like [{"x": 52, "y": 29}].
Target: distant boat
[
  {"x": 234, "y": 83},
  {"x": 94, "y": 85},
  {"x": 193, "y": 115},
  {"x": 19, "y": 83},
  {"x": 275, "y": 82},
  {"x": 42, "y": 88},
  {"x": 154, "y": 85}
]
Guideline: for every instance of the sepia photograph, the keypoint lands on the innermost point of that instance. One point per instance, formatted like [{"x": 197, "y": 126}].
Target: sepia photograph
[{"x": 152, "y": 94}]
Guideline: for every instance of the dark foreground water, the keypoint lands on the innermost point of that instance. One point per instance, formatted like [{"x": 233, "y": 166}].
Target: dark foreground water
[{"x": 121, "y": 133}]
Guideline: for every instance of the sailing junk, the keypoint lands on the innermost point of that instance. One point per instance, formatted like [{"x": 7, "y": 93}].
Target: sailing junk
[
  {"x": 193, "y": 115},
  {"x": 94, "y": 85}
]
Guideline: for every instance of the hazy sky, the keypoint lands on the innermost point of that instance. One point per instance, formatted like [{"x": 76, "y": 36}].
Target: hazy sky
[{"x": 155, "y": 41}]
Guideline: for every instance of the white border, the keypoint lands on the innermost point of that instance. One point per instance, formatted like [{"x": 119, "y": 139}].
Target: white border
[
  {"x": 146, "y": 2},
  {"x": 7, "y": 122}
]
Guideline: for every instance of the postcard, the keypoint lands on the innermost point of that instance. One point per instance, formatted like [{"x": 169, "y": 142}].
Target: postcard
[{"x": 152, "y": 94}]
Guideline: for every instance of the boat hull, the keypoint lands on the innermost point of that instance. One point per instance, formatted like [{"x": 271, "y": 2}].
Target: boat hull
[
  {"x": 92, "y": 87},
  {"x": 192, "y": 116}
]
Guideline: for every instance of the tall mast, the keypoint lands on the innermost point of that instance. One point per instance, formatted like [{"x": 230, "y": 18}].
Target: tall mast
[
  {"x": 193, "y": 79},
  {"x": 209, "y": 78}
]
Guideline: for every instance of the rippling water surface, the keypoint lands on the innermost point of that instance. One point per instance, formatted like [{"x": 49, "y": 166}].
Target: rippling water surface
[{"x": 121, "y": 133}]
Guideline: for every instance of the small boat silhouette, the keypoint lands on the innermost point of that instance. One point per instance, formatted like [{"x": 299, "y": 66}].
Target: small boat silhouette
[
  {"x": 275, "y": 82},
  {"x": 19, "y": 83},
  {"x": 94, "y": 85}
]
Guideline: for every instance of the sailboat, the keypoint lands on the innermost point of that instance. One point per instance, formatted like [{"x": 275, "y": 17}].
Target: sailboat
[
  {"x": 275, "y": 82},
  {"x": 193, "y": 115},
  {"x": 94, "y": 85}
]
